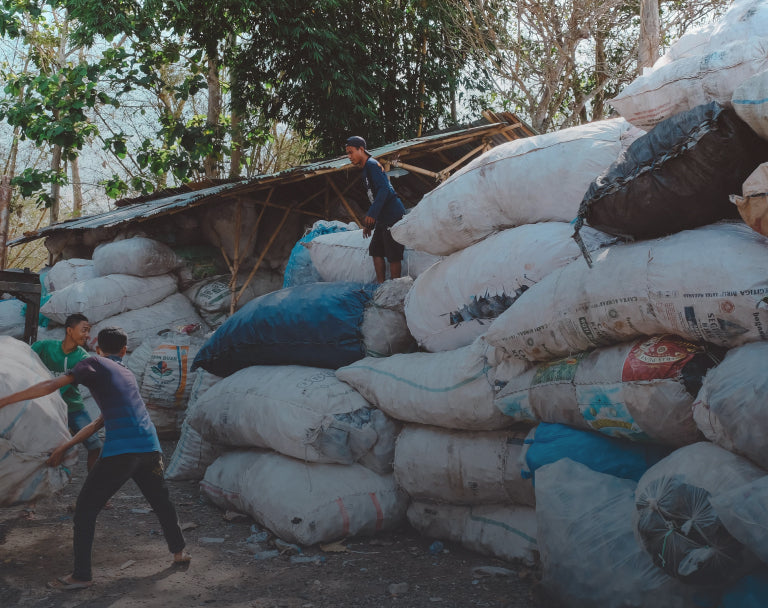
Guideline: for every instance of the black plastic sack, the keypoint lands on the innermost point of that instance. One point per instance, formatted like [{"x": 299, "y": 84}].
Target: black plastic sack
[
  {"x": 683, "y": 534},
  {"x": 675, "y": 177}
]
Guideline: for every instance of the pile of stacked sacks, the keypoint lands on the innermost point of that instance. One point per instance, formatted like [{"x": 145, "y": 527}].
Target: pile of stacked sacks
[
  {"x": 135, "y": 283},
  {"x": 654, "y": 344},
  {"x": 594, "y": 403},
  {"x": 269, "y": 408},
  {"x": 597, "y": 402}
]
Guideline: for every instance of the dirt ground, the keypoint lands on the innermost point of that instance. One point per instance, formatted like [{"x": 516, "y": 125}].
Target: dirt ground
[{"x": 132, "y": 566}]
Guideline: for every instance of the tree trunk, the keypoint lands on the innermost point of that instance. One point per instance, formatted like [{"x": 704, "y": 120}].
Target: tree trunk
[
  {"x": 650, "y": 36},
  {"x": 55, "y": 188},
  {"x": 5, "y": 214},
  {"x": 77, "y": 189},
  {"x": 422, "y": 84},
  {"x": 601, "y": 75},
  {"x": 236, "y": 157},
  {"x": 61, "y": 60},
  {"x": 214, "y": 111}
]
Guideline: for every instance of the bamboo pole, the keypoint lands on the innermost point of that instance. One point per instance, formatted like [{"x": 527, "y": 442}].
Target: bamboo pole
[
  {"x": 236, "y": 298},
  {"x": 415, "y": 169},
  {"x": 447, "y": 171},
  {"x": 345, "y": 203}
]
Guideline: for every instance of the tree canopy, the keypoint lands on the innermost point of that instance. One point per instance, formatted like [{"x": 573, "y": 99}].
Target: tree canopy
[{"x": 159, "y": 92}]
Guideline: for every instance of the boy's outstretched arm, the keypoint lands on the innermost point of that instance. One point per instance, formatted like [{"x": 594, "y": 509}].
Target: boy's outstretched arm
[
  {"x": 57, "y": 455},
  {"x": 41, "y": 389}
]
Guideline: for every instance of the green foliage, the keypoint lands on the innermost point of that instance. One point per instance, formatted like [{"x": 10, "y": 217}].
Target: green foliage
[
  {"x": 334, "y": 67},
  {"x": 31, "y": 183}
]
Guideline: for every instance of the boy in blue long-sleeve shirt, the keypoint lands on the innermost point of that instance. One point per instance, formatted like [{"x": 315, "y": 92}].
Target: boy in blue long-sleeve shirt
[{"x": 386, "y": 209}]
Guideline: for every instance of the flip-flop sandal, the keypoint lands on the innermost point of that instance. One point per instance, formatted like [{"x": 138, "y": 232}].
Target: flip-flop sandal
[
  {"x": 183, "y": 560},
  {"x": 62, "y": 584}
]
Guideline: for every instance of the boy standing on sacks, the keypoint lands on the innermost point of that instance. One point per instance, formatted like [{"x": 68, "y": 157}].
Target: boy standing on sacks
[
  {"x": 131, "y": 451},
  {"x": 386, "y": 209}
]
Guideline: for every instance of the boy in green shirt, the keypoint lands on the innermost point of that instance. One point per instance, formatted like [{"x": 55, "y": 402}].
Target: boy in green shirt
[{"x": 60, "y": 357}]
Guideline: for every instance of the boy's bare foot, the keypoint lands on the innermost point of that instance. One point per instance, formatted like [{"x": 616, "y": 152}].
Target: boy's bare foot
[{"x": 182, "y": 557}]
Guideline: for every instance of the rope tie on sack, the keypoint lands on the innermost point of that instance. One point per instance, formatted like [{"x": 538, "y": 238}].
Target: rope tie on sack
[{"x": 664, "y": 544}]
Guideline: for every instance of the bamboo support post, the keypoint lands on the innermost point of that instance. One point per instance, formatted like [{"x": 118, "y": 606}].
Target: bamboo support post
[
  {"x": 445, "y": 173},
  {"x": 415, "y": 169},
  {"x": 261, "y": 257},
  {"x": 345, "y": 203}
]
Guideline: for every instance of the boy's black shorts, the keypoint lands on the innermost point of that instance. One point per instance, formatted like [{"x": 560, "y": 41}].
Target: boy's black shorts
[{"x": 384, "y": 246}]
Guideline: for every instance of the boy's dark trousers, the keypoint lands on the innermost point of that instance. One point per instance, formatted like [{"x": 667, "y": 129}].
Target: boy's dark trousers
[{"x": 107, "y": 477}]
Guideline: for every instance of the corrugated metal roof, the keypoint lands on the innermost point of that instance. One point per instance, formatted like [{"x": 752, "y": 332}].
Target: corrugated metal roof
[
  {"x": 129, "y": 213},
  {"x": 161, "y": 206}
]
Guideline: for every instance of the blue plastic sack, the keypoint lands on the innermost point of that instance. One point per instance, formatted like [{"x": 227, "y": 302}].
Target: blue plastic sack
[
  {"x": 548, "y": 443},
  {"x": 300, "y": 270},
  {"x": 317, "y": 325}
]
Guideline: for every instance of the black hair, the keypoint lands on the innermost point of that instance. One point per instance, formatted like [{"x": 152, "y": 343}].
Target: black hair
[
  {"x": 75, "y": 319},
  {"x": 111, "y": 340}
]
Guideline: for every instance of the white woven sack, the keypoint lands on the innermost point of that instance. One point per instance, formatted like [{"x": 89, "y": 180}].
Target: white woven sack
[
  {"x": 136, "y": 361},
  {"x": 322, "y": 502},
  {"x": 303, "y": 412},
  {"x": 690, "y": 82},
  {"x": 69, "y": 271},
  {"x": 53, "y": 332},
  {"x": 454, "y": 301},
  {"x": 167, "y": 379},
  {"x": 107, "y": 296},
  {"x": 513, "y": 184},
  {"x": 702, "y": 465},
  {"x": 137, "y": 256},
  {"x": 588, "y": 550},
  {"x": 460, "y": 467},
  {"x": 12, "y": 318},
  {"x": 705, "y": 285},
  {"x": 31, "y": 429},
  {"x": 343, "y": 256},
  {"x": 384, "y": 328},
  {"x": 193, "y": 454},
  {"x": 173, "y": 312},
  {"x": 452, "y": 389},
  {"x": 750, "y": 100},
  {"x": 210, "y": 295},
  {"x": 744, "y": 512},
  {"x": 731, "y": 409},
  {"x": 630, "y": 391},
  {"x": 214, "y": 320},
  {"x": 693, "y": 42},
  {"x": 504, "y": 531},
  {"x": 745, "y": 19}
]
